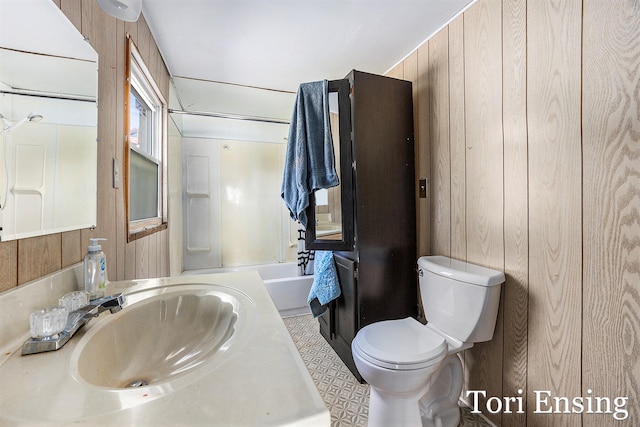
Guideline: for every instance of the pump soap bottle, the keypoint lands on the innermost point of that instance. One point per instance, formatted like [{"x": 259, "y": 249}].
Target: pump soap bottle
[{"x": 95, "y": 269}]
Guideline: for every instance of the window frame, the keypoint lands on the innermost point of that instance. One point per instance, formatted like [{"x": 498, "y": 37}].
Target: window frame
[{"x": 138, "y": 76}]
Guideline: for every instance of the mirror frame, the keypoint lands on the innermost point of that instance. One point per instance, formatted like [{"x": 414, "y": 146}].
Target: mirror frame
[{"x": 347, "y": 243}]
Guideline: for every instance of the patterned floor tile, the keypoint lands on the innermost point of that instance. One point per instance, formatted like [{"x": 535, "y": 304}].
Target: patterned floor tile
[{"x": 346, "y": 398}]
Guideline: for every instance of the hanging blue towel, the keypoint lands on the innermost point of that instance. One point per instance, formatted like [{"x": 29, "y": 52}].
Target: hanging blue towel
[
  {"x": 310, "y": 162},
  {"x": 326, "y": 286}
]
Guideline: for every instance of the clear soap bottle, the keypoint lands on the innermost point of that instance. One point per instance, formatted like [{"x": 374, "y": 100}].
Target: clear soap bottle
[{"x": 95, "y": 269}]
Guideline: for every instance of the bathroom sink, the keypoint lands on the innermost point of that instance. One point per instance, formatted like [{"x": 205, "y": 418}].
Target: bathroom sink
[
  {"x": 180, "y": 352},
  {"x": 163, "y": 334}
]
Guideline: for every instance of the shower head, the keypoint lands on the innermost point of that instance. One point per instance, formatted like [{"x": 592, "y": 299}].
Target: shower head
[
  {"x": 6, "y": 124},
  {"x": 9, "y": 126},
  {"x": 34, "y": 117}
]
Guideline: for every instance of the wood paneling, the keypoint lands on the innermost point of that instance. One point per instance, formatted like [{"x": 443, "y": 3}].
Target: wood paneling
[
  {"x": 439, "y": 142},
  {"x": 163, "y": 254},
  {"x": 457, "y": 140},
  {"x": 121, "y": 229},
  {"x": 153, "y": 255},
  {"x": 39, "y": 256},
  {"x": 73, "y": 11},
  {"x": 91, "y": 16},
  {"x": 9, "y": 263},
  {"x": 397, "y": 72},
  {"x": 516, "y": 262},
  {"x": 144, "y": 41},
  {"x": 550, "y": 192},
  {"x": 130, "y": 261},
  {"x": 142, "y": 258},
  {"x": 555, "y": 228},
  {"x": 611, "y": 192},
  {"x": 71, "y": 248},
  {"x": 484, "y": 175},
  {"x": 483, "y": 125},
  {"x": 104, "y": 42}
]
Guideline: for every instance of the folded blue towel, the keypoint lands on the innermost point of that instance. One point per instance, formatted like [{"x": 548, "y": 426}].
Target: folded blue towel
[
  {"x": 326, "y": 286},
  {"x": 309, "y": 162}
]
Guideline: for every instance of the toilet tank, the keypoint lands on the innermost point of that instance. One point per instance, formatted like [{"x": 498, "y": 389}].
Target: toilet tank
[{"x": 459, "y": 298}]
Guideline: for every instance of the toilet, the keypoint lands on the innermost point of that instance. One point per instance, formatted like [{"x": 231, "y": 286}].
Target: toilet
[{"x": 414, "y": 372}]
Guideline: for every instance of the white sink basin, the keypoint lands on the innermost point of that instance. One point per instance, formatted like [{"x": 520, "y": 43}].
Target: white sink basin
[
  {"x": 158, "y": 337},
  {"x": 208, "y": 350}
]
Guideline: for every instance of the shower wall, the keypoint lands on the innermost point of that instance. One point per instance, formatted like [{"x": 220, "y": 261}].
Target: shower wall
[
  {"x": 232, "y": 211},
  {"x": 40, "y": 159}
]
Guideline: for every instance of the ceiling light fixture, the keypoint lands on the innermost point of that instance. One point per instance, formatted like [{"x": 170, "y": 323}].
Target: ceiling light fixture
[{"x": 125, "y": 10}]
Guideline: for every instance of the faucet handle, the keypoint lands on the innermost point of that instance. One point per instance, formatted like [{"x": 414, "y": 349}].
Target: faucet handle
[
  {"x": 75, "y": 320},
  {"x": 74, "y": 300},
  {"x": 48, "y": 322}
]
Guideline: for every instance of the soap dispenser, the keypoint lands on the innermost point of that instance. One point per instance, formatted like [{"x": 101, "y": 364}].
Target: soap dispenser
[{"x": 95, "y": 269}]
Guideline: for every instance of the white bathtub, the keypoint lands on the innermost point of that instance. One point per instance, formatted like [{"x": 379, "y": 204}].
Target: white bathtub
[{"x": 288, "y": 291}]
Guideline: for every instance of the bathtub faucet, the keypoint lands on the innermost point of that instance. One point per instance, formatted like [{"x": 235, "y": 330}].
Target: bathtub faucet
[{"x": 76, "y": 320}]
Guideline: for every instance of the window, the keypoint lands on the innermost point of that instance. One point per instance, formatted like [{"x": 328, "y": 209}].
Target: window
[{"x": 145, "y": 153}]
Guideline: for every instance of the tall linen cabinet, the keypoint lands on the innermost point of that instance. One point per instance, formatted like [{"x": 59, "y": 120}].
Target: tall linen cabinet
[{"x": 376, "y": 269}]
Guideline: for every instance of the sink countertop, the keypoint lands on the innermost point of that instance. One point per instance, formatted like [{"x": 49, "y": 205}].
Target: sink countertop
[{"x": 265, "y": 383}]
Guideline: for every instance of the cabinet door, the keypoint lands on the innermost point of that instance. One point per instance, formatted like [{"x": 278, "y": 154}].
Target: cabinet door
[
  {"x": 326, "y": 322},
  {"x": 330, "y": 211},
  {"x": 345, "y": 311},
  {"x": 345, "y": 326}
]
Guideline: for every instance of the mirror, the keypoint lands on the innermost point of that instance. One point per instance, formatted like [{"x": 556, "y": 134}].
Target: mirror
[
  {"x": 48, "y": 103},
  {"x": 330, "y": 211}
]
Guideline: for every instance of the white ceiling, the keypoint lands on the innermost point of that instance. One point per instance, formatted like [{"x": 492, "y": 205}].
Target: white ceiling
[{"x": 278, "y": 44}]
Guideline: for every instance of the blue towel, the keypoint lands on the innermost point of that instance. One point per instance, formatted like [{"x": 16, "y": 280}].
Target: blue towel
[
  {"x": 309, "y": 163},
  {"x": 325, "y": 286}
]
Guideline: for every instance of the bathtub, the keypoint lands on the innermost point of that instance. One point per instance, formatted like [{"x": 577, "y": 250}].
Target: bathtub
[{"x": 288, "y": 291}]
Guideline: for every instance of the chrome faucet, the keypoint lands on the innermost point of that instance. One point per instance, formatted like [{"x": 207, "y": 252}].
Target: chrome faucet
[{"x": 75, "y": 321}]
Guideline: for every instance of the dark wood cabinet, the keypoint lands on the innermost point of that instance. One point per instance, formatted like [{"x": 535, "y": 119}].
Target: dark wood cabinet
[
  {"x": 339, "y": 324},
  {"x": 378, "y": 277}
]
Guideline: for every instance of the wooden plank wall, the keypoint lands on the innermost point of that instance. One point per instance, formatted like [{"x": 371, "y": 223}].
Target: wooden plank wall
[
  {"x": 516, "y": 237},
  {"x": 555, "y": 241},
  {"x": 527, "y": 129},
  {"x": 28, "y": 259},
  {"x": 611, "y": 204}
]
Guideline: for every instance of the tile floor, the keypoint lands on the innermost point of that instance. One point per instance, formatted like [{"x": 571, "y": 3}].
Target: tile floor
[{"x": 346, "y": 398}]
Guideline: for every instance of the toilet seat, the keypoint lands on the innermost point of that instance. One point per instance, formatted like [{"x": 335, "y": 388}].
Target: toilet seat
[{"x": 400, "y": 344}]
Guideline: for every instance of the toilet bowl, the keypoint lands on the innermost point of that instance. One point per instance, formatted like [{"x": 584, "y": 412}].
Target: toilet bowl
[
  {"x": 414, "y": 372},
  {"x": 415, "y": 384}
]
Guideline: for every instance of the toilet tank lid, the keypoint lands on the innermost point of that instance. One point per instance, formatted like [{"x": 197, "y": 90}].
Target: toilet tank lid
[{"x": 461, "y": 271}]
